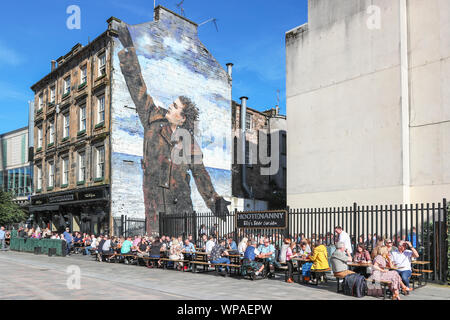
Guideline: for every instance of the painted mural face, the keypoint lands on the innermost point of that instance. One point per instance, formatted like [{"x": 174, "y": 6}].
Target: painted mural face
[
  {"x": 168, "y": 186},
  {"x": 175, "y": 113}
]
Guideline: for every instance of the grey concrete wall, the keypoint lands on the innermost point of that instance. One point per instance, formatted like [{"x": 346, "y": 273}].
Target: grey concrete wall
[
  {"x": 347, "y": 141},
  {"x": 343, "y": 105}
]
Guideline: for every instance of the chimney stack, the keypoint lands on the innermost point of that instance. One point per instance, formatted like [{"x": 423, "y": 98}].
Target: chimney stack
[
  {"x": 53, "y": 65},
  {"x": 230, "y": 69}
]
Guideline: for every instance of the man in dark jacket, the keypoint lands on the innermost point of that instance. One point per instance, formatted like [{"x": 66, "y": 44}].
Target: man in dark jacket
[{"x": 166, "y": 183}]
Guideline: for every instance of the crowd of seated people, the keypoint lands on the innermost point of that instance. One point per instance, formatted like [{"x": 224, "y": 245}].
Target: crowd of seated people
[{"x": 260, "y": 252}]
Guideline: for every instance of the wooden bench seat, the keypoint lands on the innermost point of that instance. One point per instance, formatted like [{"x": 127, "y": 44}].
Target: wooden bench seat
[
  {"x": 320, "y": 273},
  {"x": 424, "y": 271}
]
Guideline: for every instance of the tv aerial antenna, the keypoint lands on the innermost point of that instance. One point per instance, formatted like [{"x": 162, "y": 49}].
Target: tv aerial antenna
[
  {"x": 180, "y": 6},
  {"x": 210, "y": 20}
]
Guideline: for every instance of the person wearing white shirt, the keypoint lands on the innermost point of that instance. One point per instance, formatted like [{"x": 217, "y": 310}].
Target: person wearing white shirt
[
  {"x": 402, "y": 260},
  {"x": 345, "y": 238},
  {"x": 209, "y": 245}
]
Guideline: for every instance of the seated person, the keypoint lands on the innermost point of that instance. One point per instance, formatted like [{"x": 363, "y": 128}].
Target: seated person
[
  {"x": 209, "y": 245},
  {"x": 175, "y": 253},
  {"x": 339, "y": 261},
  {"x": 284, "y": 248},
  {"x": 304, "y": 250},
  {"x": 106, "y": 247},
  {"x": 361, "y": 254},
  {"x": 203, "y": 241},
  {"x": 390, "y": 245},
  {"x": 319, "y": 257},
  {"x": 219, "y": 253},
  {"x": 188, "y": 250},
  {"x": 402, "y": 260},
  {"x": 78, "y": 240},
  {"x": 156, "y": 248},
  {"x": 243, "y": 245},
  {"x": 288, "y": 257},
  {"x": 126, "y": 246},
  {"x": 232, "y": 246},
  {"x": 250, "y": 254},
  {"x": 268, "y": 253}
]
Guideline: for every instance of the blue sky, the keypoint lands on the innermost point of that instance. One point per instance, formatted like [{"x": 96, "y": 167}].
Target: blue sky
[{"x": 251, "y": 35}]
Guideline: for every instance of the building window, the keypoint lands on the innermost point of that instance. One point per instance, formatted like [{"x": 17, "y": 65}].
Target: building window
[
  {"x": 67, "y": 85},
  {"x": 52, "y": 94},
  {"x": 41, "y": 101},
  {"x": 100, "y": 109},
  {"x": 100, "y": 163},
  {"x": 51, "y": 132},
  {"x": 39, "y": 177},
  {"x": 39, "y": 137},
  {"x": 83, "y": 75},
  {"x": 248, "y": 121},
  {"x": 66, "y": 125},
  {"x": 283, "y": 144},
  {"x": 82, "y": 118},
  {"x": 65, "y": 171},
  {"x": 82, "y": 167},
  {"x": 102, "y": 64},
  {"x": 51, "y": 175}
]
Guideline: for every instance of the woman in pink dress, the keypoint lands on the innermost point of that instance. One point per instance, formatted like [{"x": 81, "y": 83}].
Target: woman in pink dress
[{"x": 381, "y": 272}]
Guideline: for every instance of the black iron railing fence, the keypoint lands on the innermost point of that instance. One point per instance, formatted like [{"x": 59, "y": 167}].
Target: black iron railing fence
[
  {"x": 424, "y": 225},
  {"x": 129, "y": 227}
]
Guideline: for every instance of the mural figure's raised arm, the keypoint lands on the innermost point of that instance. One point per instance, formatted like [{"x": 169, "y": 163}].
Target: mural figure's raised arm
[{"x": 131, "y": 71}]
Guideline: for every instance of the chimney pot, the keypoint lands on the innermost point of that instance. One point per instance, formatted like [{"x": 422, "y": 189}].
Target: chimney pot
[
  {"x": 53, "y": 65},
  {"x": 230, "y": 69}
]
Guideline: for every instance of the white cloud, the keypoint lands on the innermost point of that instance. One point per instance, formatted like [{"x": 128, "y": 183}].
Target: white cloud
[{"x": 8, "y": 56}]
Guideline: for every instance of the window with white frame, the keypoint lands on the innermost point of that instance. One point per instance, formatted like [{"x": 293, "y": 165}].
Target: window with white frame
[
  {"x": 100, "y": 109},
  {"x": 102, "y": 64},
  {"x": 83, "y": 75},
  {"x": 52, "y": 94},
  {"x": 67, "y": 85},
  {"x": 82, "y": 125},
  {"x": 41, "y": 101},
  {"x": 100, "y": 162},
  {"x": 81, "y": 166},
  {"x": 39, "y": 137},
  {"x": 39, "y": 177},
  {"x": 51, "y": 174},
  {"x": 51, "y": 131},
  {"x": 248, "y": 121},
  {"x": 65, "y": 171},
  {"x": 66, "y": 122}
]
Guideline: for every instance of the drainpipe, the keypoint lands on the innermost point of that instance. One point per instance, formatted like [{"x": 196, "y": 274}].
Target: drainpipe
[
  {"x": 243, "y": 136},
  {"x": 404, "y": 79}
]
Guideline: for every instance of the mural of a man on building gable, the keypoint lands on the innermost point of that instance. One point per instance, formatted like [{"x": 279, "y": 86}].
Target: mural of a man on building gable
[{"x": 166, "y": 182}]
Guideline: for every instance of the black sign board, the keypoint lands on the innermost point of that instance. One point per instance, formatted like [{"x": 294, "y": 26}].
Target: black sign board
[
  {"x": 262, "y": 219},
  {"x": 96, "y": 194}
]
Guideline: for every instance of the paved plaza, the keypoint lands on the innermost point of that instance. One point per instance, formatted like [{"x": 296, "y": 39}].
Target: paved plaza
[{"x": 29, "y": 276}]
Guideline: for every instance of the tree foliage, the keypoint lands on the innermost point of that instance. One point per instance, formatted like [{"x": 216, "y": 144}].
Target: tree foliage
[{"x": 10, "y": 212}]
